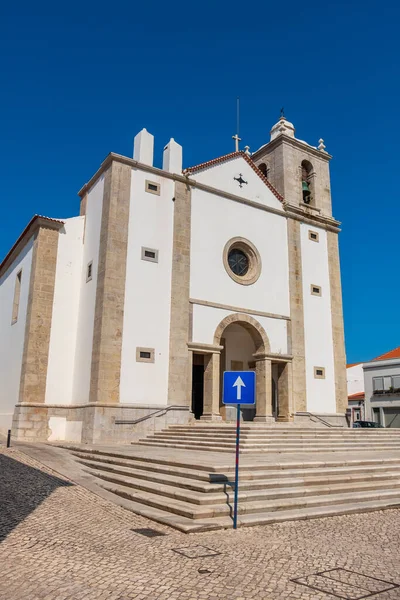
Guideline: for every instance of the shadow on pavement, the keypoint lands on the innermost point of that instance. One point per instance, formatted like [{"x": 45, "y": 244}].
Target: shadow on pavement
[{"x": 22, "y": 490}]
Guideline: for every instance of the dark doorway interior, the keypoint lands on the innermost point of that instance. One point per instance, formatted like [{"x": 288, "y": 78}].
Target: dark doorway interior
[{"x": 198, "y": 385}]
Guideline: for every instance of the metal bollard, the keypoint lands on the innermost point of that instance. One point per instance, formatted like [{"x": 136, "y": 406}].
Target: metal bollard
[{"x": 9, "y": 438}]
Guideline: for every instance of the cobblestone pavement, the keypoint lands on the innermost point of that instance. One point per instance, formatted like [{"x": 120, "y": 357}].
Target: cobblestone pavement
[{"x": 58, "y": 541}]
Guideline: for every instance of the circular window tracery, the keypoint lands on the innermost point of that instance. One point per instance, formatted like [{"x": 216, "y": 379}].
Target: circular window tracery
[
  {"x": 242, "y": 261},
  {"x": 238, "y": 262}
]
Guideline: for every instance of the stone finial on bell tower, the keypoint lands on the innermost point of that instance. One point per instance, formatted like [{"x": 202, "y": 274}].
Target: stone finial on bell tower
[{"x": 299, "y": 171}]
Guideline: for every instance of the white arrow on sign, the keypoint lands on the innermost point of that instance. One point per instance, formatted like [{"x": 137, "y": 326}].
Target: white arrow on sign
[{"x": 239, "y": 384}]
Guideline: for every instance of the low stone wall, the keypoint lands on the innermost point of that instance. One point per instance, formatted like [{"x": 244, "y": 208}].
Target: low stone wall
[{"x": 92, "y": 423}]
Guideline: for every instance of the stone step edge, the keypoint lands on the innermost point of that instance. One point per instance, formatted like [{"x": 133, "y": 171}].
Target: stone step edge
[
  {"x": 196, "y": 511},
  {"x": 254, "y": 467},
  {"x": 268, "y": 477},
  {"x": 254, "y": 450},
  {"x": 202, "y": 525},
  {"x": 249, "y": 442},
  {"x": 247, "y": 485},
  {"x": 216, "y": 497}
]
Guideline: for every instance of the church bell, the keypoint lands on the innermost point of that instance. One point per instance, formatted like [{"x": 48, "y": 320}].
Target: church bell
[{"x": 306, "y": 192}]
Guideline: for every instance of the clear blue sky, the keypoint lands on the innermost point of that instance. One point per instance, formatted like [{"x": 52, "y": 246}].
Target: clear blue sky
[{"x": 81, "y": 80}]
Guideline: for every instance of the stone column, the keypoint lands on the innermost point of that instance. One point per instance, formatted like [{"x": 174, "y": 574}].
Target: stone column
[
  {"x": 285, "y": 392},
  {"x": 211, "y": 387},
  {"x": 296, "y": 325},
  {"x": 110, "y": 291},
  {"x": 39, "y": 315},
  {"x": 179, "y": 360},
  {"x": 30, "y": 415},
  {"x": 263, "y": 391},
  {"x": 339, "y": 353}
]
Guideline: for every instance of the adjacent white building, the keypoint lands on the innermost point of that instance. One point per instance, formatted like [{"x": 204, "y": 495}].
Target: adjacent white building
[{"x": 124, "y": 318}]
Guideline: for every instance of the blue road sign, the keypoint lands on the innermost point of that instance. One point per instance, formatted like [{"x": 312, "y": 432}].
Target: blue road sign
[{"x": 239, "y": 387}]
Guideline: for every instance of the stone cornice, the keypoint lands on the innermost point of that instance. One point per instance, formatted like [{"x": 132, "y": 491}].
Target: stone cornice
[
  {"x": 297, "y": 213},
  {"x": 284, "y": 139},
  {"x": 33, "y": 226},
  {"x": 273, "y": 357},
  {"x": 200, "y": 348},
  {"x": 248, "y": 311},
  {"x": 308, "y": 215}
]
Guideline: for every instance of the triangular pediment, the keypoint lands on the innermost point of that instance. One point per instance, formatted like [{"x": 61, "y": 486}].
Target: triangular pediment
[{"x": 236, "y": 173}]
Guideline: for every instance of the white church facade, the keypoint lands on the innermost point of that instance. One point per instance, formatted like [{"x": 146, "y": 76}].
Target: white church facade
[{"x": 123, "y": 319}]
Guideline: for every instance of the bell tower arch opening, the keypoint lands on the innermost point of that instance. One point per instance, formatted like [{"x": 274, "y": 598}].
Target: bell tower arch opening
[{"x": 307, "y": 183}]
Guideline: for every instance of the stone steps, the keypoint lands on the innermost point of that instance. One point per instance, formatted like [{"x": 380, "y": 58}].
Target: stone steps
[
  {"x": 247, "y": 448},
  {"x": 259, "y": 438},
  {"x": 191, "y": 510},
  {"x": 214, "y": 496},
  {"x": 193, "y": 497},
  {"x": 262, "y": 480}
]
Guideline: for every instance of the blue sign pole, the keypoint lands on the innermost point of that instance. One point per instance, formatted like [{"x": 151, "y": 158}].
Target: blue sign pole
[
  {"x": 235, "y": 507},
  {"x": 239, "y": 389}
]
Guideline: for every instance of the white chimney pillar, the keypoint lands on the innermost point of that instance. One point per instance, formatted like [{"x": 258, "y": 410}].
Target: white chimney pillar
[
  {"x": 143, "y": 147},
  {"x": 172, "y": 157}
]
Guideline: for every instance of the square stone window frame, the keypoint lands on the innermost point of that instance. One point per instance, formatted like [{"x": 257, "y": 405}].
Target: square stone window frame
[
  {"x": 317, "y": 375},
  {"x": 144, "y": 257},
  {"x": 157, "y": 191},
  {"x": 310, "y": 233},
  {"x": 313, "y": 292},
  {"x": 142, "y": 359},
  {"x": 89, "y": 277}
]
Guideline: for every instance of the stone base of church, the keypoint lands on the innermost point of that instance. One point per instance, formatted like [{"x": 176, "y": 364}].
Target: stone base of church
[
  {"x": 306, "y": 419},
  {"x": 91, "y": 424},
  {"x": 123, "y": 424}
]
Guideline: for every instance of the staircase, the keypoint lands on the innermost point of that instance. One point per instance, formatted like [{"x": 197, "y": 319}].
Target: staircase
[
  {"x": 193, "y": 491},
  {"x": 256, "y": 438}
]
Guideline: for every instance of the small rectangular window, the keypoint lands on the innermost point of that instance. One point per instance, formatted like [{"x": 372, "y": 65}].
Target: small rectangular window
[
  {"x": 313, "y": 235},
  {"x": 319, "y": 372},
  {"x": 152, "y": 187},
  {"x": 17, "y": 295},
  {"x": 150, "y": 254},
  {"x": 316, "y": 290},
  {"x": 377, "y": 383},
  {"x": 145, "y": 355},
  {"x": 89, "y": 271}
]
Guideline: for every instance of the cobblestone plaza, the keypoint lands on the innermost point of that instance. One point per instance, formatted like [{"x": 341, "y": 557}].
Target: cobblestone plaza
[{"x": 60, "y": 541}]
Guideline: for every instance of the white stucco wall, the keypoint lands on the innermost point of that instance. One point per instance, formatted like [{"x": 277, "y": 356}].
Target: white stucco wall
[
  {"x": 317, "y": 322},
  {"x": 206, "y": 320},
  {"x": 216, "y": 220},
  {"x": 223, "y": 177},
  {"x": 355, "y": 379},
  {"x": 87, "y": 301},
  {"x": 64, "y": 324},
  {"x": 12, "y": 336},
  {"x": 148, "y": 292}
]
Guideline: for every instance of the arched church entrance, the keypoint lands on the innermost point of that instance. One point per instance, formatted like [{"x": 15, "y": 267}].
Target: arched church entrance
[{"x": 240, "y": 344}]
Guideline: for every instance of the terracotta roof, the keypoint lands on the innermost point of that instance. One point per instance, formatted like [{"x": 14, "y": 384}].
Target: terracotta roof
[
  {"x": 357, "y": 395},
  {"x": 36, "y": 221},
  {"x": 222, "y": 159},
  {"x": 395, "y": 353},
  {"x": 353, "y": 365}
]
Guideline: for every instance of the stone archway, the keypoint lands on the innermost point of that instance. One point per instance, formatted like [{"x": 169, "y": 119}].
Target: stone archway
[
  {"x": 263, "y": 369},
  {"x": 254, "y": 328}
]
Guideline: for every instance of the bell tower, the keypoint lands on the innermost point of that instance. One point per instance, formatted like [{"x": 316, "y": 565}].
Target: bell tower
[{"x": 298, "y": 171}]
